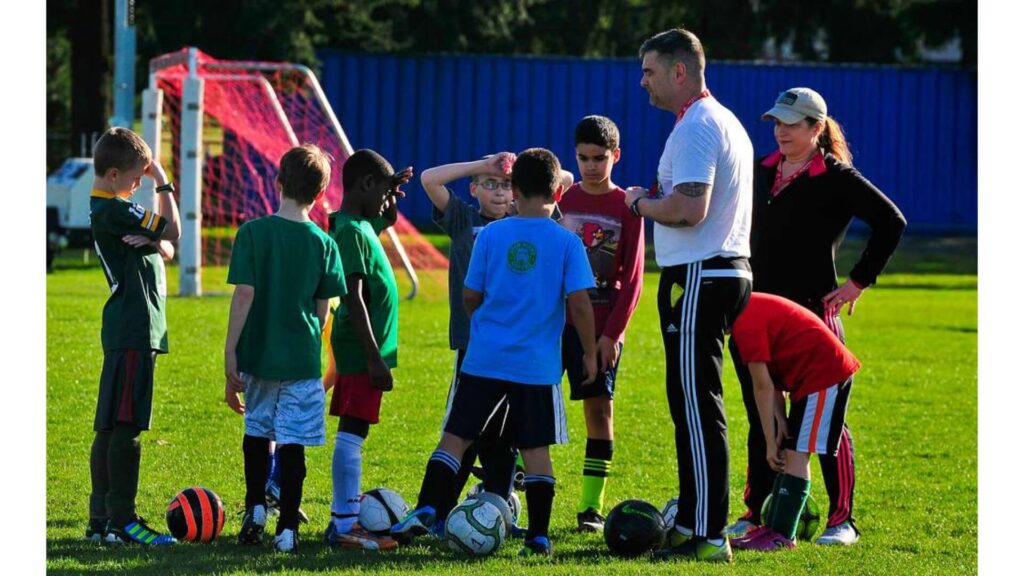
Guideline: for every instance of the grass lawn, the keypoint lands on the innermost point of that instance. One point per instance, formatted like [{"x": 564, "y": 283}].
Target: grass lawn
[{"x": 913, "y": 414}]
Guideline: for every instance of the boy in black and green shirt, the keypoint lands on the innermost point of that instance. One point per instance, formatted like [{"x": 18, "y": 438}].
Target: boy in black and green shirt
[{"x": 131, "y": 243}]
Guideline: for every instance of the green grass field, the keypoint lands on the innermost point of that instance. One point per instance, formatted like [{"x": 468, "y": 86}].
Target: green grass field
[{"x": 913, "y": 414}]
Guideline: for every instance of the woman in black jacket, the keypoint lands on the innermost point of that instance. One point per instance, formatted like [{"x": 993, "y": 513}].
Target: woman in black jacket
[{"x": 806, "y": 194}]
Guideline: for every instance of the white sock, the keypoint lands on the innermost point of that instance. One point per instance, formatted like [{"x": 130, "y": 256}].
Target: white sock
[{"x": 346, "y": 471}]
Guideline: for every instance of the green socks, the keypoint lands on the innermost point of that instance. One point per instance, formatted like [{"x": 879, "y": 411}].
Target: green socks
[
  {"x": 596, "y": 465},
  {"x": 788, "y": 499}
]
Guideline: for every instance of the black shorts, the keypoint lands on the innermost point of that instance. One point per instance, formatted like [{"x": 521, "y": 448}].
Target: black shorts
[
  {"x": 494, "y": 431},
  {"x": 126, "y": 389},
  {"x": 572, "y": 363},
  {"x": 815, "y": 422},
  {"x": 535, "y": 416}
]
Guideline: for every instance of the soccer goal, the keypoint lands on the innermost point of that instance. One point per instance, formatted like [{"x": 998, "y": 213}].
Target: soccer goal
[{"x": 220, "y": 127}]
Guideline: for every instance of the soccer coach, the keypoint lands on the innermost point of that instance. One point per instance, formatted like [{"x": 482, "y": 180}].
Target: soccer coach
[{"x": 701, "y": 206}]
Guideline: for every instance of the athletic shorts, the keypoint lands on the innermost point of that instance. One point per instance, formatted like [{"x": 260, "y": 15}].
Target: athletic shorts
[
  {"x": 355, "y": 397},
  {"x": 494, "y": 429},
  {"x": 572, "y": 363},
  {"x": 535, "y": 415},
  {"x": 126, "y": 389},
  {"x": 286, "y": 411},
  {"x": 816, "y": 421}
]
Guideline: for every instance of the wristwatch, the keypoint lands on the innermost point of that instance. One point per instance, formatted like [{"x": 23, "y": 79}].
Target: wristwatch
[
  {"x": 165, "y": 188},
  {"x": 634, "y": 209}
]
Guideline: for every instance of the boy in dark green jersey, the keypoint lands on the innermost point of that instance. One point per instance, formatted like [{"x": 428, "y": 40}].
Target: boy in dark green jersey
[
  {"x": 131, "y": 242},
  {"x": 285, "y": 269},
  {"x": 365, "y": 333}
]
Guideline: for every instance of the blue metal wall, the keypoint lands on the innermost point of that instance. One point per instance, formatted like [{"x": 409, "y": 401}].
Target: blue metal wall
[{"x": 913, "y": 132}]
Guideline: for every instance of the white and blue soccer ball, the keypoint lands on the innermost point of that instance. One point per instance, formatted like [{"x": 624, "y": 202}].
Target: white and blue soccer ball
[
  {"x": 669, "y": 512},
  {"x": 475, "y": 527},
  {"x": 515, "y": 506},
  {"x": 381, "y": 508}
]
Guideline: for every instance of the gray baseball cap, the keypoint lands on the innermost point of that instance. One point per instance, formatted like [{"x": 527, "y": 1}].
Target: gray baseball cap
[{"x": 795, "y": 104}]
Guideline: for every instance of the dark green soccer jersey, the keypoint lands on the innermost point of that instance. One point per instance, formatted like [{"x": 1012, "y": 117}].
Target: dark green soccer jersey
[
  {"x": 290, "y": 266},
  {"x": 362, "y": 253},
  {"x": 133, "y": 316}
]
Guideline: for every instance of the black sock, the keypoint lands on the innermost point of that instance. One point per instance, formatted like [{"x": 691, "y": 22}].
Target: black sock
[
  {"x": 465, "y": 469},
  {"x": 254, "y": 452},
  {"x": 100, "y": 476},
  {"x": 499, "y": 462},
  {"x": 123, "y": 459},
  {"x": 540, "y": 494},
  {"x": 437, "y": 480},
  {"x": 292, "y": 460}
]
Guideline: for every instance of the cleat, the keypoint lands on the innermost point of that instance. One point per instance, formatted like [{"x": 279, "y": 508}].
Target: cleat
[
  {"x": 844, "y": 534},
  {"x": 438, "y": 531},
  {"x": 536, "y": 546},
  {"x": 416, "y": 523},
  {"x": 287, "y": 541},
  {"x": 136, "y": 532},
  {"x": 676, "y": 538},
  {"x": 752, "y": 534},
  {"x": 589, "y": 521},
  {"x": 358, "y": 538},
  {"x": 767, "y": 540},
  {"x": 96, "y": 531},
  {"x": 273, "y": 498},
  {"x": 253, "y": 524},
  {"x": 696, "y": 549},
  {"x": 739, "y": 528},
  {"x": 516, "y": 532}
]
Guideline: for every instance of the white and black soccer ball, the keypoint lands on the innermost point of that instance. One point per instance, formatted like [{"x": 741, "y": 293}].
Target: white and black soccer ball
[
  {"x": 476, "y": 527},
  {"x": 513, "y": 504},
  {"x": 380, "y": 509},
  {"x": 669, "y": 512}
]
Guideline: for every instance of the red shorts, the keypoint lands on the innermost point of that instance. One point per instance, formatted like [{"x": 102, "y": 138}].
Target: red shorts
[{"x": 354, "y": 396}]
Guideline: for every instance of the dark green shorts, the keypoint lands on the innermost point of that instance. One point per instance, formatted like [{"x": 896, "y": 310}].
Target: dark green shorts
[{"x": 126, "y": 389}]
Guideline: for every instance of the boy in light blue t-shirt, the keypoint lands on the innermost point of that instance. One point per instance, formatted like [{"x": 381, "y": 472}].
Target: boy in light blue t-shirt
[{"x": 522, "y": 273}]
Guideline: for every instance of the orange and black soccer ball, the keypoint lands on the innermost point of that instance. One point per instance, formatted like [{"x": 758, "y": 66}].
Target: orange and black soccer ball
[{"x": 196, "y": 515}]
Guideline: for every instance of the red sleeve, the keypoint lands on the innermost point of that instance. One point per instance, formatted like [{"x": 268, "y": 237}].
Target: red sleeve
[{"x": 632, "y": 250}]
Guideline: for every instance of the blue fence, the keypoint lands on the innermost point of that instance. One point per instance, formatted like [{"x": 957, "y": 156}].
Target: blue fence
[{"x": 913, "y": 131}]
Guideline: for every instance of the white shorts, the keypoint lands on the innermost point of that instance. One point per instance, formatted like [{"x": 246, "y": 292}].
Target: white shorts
[{"x": 286, "y": 411}]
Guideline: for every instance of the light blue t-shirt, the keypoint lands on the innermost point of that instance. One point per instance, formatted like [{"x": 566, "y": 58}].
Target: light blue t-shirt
[{"x": 525, "y": 268}]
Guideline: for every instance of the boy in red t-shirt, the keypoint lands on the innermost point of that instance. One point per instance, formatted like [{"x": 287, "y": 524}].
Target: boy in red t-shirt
[{"x": 790, "y": 350}]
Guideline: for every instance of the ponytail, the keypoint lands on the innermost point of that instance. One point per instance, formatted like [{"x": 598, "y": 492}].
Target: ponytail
[{"x": 833, "y": 142}]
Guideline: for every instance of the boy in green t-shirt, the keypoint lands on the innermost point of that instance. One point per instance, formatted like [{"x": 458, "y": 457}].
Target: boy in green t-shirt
[
  {"x": 365, "y": 333},
  {"x": 132, "y": 243},
  {"x": 285, "y": 269}
]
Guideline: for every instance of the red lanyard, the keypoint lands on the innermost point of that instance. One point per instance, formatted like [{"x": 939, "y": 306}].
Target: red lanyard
[
  {"x": 703, "y": 94},
  {"x": 781, "y": 182}
]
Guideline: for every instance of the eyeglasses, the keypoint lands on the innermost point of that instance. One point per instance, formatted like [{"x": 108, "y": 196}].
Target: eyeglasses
[{"x": 490, "y": 184}]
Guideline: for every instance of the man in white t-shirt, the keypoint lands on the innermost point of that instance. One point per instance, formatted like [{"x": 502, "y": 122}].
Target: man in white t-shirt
[{"x": 701, "y": 208}]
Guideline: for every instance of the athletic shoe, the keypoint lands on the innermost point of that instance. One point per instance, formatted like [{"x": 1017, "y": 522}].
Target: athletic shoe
[
  {"x": 287, "y": 541},
  {"x": 536, "y": 546},
  {"x": 752, "y": 534},
  {"x": 273, "y": 497},
  {"x": 589, "y": 521},
  {"x": 136, "y": 532},
  {"x": 416, "y": 523},
  {"x": 739, "y": 528},
  {"x": 517, "y": 532},
  {"x": 844, "y": 534},
  {"x": 696, "y": 549},
  {"x": 96, "y": 531},
  {"x": 675, "y": 538},
  {"x": 253, "y": 524},
  {"x": 768, "y": 541},
  {"x": 358, "y": 538},
  {"x": 438, "y": 530}
]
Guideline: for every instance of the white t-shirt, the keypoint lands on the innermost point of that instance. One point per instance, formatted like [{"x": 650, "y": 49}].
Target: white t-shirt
[{"x": 710, "y": 146}]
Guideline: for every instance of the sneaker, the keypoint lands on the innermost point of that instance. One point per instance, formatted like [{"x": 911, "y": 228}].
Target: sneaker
[
  {"x": 273, "y": 498},
  {"x": 675, "y": 538},
  {"x": 438, "y": 530},
  {"x": 844, "y": 534},
  {"x": 96, "y": 531},
  {"x": 696, "y": 549},
  {"x": 754, "y": 533},
  {"x": 739, "y": 528},
  {"x": 358, "y": 538},
  {"x": 287, "y": 541},
  {"x": 253, "y": 524},
  {"x": 767, "y": 541},
  {"x": 416, "y": 523},
  {"x": 536, "y": 546},
  {"x": 517, "y": 532},
  {"x": 136, "y": 532},
  {"x": 589, "y": 521}
]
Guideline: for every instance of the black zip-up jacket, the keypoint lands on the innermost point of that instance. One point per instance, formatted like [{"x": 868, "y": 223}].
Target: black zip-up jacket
[{"x": 795, "y": 235}]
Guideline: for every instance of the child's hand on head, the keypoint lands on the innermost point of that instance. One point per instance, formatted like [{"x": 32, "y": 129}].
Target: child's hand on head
[
  {"x": 398, "y": 179},
  {"x": 502, "y": 162},
  {"x": 156, "y": 172}
]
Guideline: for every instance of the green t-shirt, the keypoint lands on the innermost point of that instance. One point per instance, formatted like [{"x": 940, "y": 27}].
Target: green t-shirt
[
  {"x": 133, "y": 316},
  {"x": 290, "y": 266},
  {"x": 363, "y": 254}
]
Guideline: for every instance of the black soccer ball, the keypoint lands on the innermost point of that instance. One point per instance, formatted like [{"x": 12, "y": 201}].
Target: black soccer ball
[
  {"x": 634, "y": 527},
  {"x": 195, "y": 515}
]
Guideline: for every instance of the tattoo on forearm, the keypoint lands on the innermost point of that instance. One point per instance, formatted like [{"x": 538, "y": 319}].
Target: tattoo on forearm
[{"x": 692, "y": 189}]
